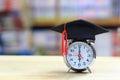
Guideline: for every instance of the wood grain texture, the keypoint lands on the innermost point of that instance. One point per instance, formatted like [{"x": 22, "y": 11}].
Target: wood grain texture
[{"x": 54, "y": 68}]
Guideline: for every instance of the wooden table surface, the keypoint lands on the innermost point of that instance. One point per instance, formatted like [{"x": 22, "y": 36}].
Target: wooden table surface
[{"x": 54, "y": 68}]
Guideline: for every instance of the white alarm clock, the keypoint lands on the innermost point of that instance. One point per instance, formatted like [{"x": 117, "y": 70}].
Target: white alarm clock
[{"x": 80, "y": 56}]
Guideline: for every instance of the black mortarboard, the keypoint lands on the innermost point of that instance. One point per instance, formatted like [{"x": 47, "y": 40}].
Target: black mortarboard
[{"x": 80, "y": 30}]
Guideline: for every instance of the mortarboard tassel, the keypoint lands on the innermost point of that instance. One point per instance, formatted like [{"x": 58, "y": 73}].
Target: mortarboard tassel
[{"x": 64, "y": 41}]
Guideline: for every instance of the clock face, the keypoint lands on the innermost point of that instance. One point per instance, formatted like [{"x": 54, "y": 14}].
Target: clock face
[{"x": 80, "y": 55}]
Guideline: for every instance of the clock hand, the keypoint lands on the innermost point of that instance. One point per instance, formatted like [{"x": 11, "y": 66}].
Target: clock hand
[
  {"x": 79, "y": 55},
  {"x": 79, "y": 50},
  {"x": 79, "y": 58}
]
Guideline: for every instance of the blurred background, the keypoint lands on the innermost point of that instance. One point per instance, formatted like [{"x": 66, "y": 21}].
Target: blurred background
[{"x": 25, "y": 24}]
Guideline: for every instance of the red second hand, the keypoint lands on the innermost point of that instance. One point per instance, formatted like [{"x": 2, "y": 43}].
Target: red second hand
[{"x": 79, "y": 55}]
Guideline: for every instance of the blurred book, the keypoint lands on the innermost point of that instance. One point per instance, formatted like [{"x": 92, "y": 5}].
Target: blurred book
[
  {"x": 43, "y": 10},
  {"x": 16, "y": 42},
  {"x": 45, "y": 41},
  {"x": 94, "y": 9},
  {"x": 116, "y": 8}
]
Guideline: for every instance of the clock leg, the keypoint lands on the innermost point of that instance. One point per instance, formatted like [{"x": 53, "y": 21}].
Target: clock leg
[
  {"x": 89, "y": 69},
  {"x": 69, "y": 69}
]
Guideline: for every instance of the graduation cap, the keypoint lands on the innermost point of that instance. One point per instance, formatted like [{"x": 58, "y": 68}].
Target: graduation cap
[{"x": 80, "y": 30}]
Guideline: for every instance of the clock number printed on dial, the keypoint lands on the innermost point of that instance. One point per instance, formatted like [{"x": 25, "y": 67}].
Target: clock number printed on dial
[
  {"x": 75, "y": 47},
  {"x": 87, "y": 60},
  {"x": 88, "y": 55},
  {"x": 79, "y": 46},
  {"x": 71, "y": 59},
  {"x": 84, "y": 63},
  {"x": 83, "y": 46},
  {"x": 74, "y": 63},
  {"x": 88, "y": 51},
  {"x": 71, "y": 50},
  {"x": 79, "y": 64}
]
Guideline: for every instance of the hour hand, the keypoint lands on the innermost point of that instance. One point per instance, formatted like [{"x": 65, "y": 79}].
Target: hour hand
[{"x": 79, "y": 49}]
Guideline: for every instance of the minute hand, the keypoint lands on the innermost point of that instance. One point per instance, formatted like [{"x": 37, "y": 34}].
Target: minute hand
[{"x": 79, "y": 51}]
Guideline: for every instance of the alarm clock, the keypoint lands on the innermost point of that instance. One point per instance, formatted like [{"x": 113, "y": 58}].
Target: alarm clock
[
  {"x": 81, "y": 55},
  {"x": 77, "y": 39}
]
